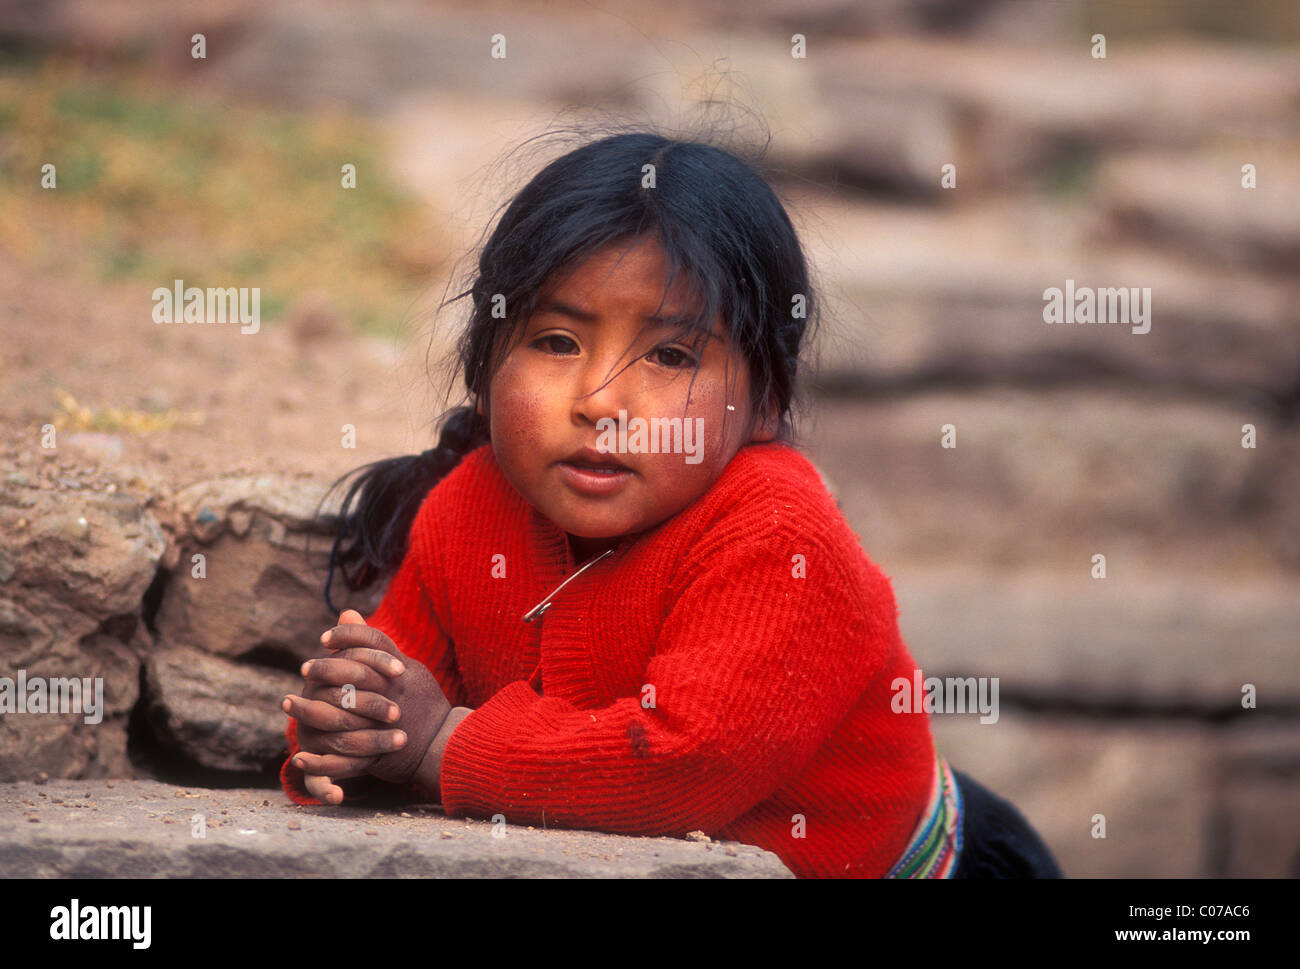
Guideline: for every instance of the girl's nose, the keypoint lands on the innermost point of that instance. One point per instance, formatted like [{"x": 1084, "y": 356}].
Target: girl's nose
[{"x": 604, "y": 390}]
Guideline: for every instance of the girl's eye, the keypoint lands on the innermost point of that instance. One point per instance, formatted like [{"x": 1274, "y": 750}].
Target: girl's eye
[
  {"x": 549, "y": 341},
  {"x": 671, "y": 357}
]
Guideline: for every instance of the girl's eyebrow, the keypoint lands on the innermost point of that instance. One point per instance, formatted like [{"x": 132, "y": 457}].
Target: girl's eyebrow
[{"x": 564, "y": 309}]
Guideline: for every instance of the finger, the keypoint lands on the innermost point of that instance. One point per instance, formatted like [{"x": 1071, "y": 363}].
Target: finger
[
  {"x": 362, "y": 743},
  {"x": 312, "y": 741},
  {"x": 338, "y": 671},
  {"x": 332, "y": 766},
  {"x": 323, "y": 789},
  {"x": 326, "y": 716},
  {"x": 389, "y": 664},
  {"x": 385, "y": 657},
  {"x": 350, "y": 617},
  {"x": 341, "y": 637},
  {"x": 375, "y": 706}
]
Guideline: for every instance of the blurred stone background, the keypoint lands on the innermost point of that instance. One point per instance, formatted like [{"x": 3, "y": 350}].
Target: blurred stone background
[{"x": 1119, "y": 696}]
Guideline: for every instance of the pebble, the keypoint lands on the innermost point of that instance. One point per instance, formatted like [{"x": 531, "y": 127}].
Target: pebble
[
  {"x": 372, "y": 833},
  {"x": 240, "y": 522},
  {"x": 75, "y": 529},
  {"x": 295, "y": 825}
]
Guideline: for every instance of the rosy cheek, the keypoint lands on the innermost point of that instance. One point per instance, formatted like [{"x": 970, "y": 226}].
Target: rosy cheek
[
  {"x": 518, "y": 411},
  {"x": 518, "y": 420},
  {"x": 708, "y": 402}
]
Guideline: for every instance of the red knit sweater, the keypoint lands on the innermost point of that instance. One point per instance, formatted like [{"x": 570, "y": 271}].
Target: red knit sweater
[{"x": 727, "y": 670}]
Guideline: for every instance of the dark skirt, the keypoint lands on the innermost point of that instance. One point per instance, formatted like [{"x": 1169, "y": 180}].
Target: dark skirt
[{"x": 997, "y": 841}]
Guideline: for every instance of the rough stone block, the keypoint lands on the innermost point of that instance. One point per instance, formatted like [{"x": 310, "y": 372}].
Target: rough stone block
[{"x": 142, "y": 829}]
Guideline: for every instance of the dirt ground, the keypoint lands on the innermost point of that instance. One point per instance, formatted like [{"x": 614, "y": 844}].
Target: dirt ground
[{"x": 275, "y": 400}]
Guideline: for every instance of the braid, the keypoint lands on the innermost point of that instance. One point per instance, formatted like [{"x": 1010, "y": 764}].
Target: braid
[{"x": 380, "y": 506}]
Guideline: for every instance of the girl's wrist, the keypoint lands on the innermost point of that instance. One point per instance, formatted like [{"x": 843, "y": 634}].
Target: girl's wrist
[{"x": 428, "y": 776}]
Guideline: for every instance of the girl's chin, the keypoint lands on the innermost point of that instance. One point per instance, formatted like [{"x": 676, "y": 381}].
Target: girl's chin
[{"x": 584, "y": 548}]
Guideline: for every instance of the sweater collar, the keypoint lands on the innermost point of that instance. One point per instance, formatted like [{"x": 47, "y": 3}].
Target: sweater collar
[
  {"x": 552, "y": 543},
  {"x": 552, "y": 553}
]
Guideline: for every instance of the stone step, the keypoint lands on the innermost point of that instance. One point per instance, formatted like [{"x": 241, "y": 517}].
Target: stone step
[
  {"x": 916, "y": 295},
  {"x": 1196, "y": 204},
  {"x": 144, "y": 829},
  {"x": 900, "y": 108},
  {"x": 1141, "y": 641},
  {"x": 1180, "y": 800},
  {"x": 1058, "y": 476}
]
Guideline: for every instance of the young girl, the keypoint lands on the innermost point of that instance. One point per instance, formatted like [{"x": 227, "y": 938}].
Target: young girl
[{"x": 623, "y": 600}]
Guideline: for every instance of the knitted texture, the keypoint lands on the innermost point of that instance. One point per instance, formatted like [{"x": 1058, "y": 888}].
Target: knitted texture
[{"x": 726, "y": 671}]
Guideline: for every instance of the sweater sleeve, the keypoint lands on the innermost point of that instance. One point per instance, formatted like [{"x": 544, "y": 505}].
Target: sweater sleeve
[
  {"x": 408, "y": 615},
  {"x": 753, "y": 669}
]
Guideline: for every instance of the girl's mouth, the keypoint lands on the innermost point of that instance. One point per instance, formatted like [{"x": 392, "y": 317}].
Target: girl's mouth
[{"x": 594, "y": 479}]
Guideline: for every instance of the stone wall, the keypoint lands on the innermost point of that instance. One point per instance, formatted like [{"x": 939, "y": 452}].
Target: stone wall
[{"x": 196, "y": 607}]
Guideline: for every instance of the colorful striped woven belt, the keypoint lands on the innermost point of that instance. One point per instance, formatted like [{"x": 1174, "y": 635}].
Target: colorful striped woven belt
[{"x": 936, "y": 842}]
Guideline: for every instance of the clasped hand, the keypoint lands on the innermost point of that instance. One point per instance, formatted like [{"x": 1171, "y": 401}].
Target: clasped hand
[{"x": 367, "y": 681}]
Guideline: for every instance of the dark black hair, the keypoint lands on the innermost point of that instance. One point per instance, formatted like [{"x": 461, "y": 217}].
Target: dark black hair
[{"x": 724, "y": 232}]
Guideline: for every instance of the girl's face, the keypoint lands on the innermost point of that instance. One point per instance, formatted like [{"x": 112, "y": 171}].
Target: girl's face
[{"x": 545, "y": 405}]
